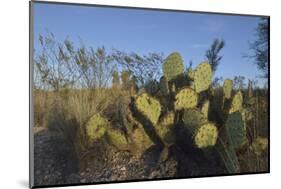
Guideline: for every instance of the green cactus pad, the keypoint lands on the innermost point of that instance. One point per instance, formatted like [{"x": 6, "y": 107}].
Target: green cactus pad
[
  {"x": 227, "y": 88},
  {"x": 173, "y": 66},
  {"x": 192, "y": 118},
  {"x": 117, "y": 138},
  {"x": 259, "y": 145},
  {"x": 205, "y": 108},
  {"x": 149, "y": 107},
  {"x": 186, "y": 98},
  {"x": 236, "y": 129},
  {"x": 206, "y": 135},
  {"x": 96, "y": 127},
  {"x": 237, "y": 102},
  {"x": 202, "y": 77},
  {"x": 164, "y": 128}
]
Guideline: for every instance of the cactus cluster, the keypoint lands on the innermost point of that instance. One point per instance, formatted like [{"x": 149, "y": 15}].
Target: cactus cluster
[{"x": 190, "y": 104}]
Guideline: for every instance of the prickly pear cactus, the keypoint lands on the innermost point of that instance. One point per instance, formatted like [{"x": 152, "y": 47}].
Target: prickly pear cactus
[
  {"x": 237, "y": 102},
  {"x": 205, "y": 108},
  {"x": 202, "y": 77},
  {"x": 96, "y": 127},
  {"x": 206, "y": 135},
  {"x": 227, "y": 88},
  {"x": 164, "y": 128},
  {"x": 236, "y": 130},
  {"x": 149, "y": 107},
  {"x": 117, "y": 138},
  {"x": 186, "y": 98},
  {"x": 164, "y": 87},
  {"x": 173, "y": 66},
  {"x": 259, "y": 145}
]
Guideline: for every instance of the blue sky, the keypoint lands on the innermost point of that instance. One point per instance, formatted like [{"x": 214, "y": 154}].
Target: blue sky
[{"x": 144, "y": 31}]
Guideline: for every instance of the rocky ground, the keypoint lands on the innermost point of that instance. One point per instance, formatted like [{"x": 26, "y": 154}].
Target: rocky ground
[{"x": 56, "y": 163}]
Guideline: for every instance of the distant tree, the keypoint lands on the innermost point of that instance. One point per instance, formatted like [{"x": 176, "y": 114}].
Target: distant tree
[
  {"x": 212, "y": 54},
  {"x": 53, "y": 65},
  {"x": 143, "y": 68},
  {"x": 239, "y": 82},
  {"x": 59, "y": 65},
  {"x": 259, "y": 47}
]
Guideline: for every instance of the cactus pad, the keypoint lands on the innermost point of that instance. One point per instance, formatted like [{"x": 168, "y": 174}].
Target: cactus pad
[
  {"x": 259, "y": 145},
  {"x": 149, "y": 107},
  {"x": 227, "y": 88},
  {"x": 96, "y": 127},
  {"x": 164, "y": 128},
  {"x": 206, "y": 135},
  {"x": 173, "y": 66},
  {"x": 140, "y": 139},
  {"x": 202, "y": 77},
  {"x": 186, "y": 98},
  {"x": 205, "y": 108},
  {"x": 236, "y": 129},
  {"x": 237, "y": 102},
  {"x": 117, "y": 138},
  {"x": 192, "y": 118}
]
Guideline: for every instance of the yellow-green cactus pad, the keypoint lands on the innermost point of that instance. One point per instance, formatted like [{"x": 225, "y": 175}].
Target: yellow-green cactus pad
[
  {"x": 237, "y": 102},
  {"x": 186, "y": 98},
  {"x": 206, "y": 135},
  {"x": 236, "y": 129},
  {"x": 164, "y": 128},
  {"x": 227, "y": 88},
  {"x": 149, "y": 107},
  {"x": 96, "y": 127},
  {"x": 192, "y": 118},
  {"x": 202, "y": 77},
  {"x": 259, "y": 145},
  {"x": 173, "y": 66},
  {"x": 205, "y": 108},
  {"x": 117, "y": 138},
  {"x": 140, "y": 139}
]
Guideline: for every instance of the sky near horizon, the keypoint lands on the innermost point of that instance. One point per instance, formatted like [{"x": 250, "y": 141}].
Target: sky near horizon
[{"x": 144, "y": 31}]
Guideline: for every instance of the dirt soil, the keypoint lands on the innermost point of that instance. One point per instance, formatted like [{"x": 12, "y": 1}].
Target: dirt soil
[{"x": 56, "y": 163}]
